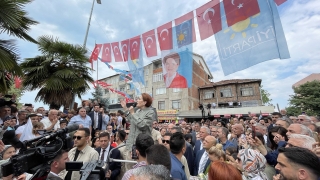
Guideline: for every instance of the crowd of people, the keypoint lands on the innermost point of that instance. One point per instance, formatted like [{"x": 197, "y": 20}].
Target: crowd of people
[{"x": 275, "y": 147}]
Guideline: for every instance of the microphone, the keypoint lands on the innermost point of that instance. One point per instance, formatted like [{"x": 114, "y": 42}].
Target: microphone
[{"x": 68, "y": 129}]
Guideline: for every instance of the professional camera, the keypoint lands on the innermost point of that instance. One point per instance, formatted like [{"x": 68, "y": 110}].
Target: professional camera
[{"x": 35, "y": 155}]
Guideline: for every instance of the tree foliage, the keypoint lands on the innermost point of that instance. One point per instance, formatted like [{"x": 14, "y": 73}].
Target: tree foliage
[
  {"x": 306, "y": 98},
  {"x": 13, "y": 22},
  {"x": 265, "y": 95},
  {"x": 59, "y": 72},
  {"x": 98, "y": 96}
]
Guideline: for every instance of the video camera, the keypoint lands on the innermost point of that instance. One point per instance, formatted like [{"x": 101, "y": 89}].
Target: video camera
[{"x": 36, "y": 154}]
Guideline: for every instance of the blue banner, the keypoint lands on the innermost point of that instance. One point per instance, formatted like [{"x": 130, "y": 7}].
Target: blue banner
[
  {"x": 257, "y": 39},
  {"x": 177, "y": 63}
]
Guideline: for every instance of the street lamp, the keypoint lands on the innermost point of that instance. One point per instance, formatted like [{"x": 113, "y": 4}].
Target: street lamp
[
  {"x": 85, "y": 38},
  {"x": 85, "y": 42}
]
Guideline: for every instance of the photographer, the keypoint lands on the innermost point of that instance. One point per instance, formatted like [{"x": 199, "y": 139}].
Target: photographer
[
  {"x": 140, "y": 119},
  {"x": 6, "y": 154}
]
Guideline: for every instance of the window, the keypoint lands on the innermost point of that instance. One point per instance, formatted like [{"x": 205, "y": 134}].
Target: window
[
  {"x": 226, "y": 92},
  {"x": 157, "y": 77},
  {"x": 122, "y": 88},
  {"x": 106, "y": 91},
  {"x": 246, "y": 91},
  {"x": 208, "y": 95},
  {"x": 176, "y": 104},
  {"x": 146, "y": 72},
  {"x": 146, "y": 83},
  {"x": 161, "y": 105},
  {"x": 176, "y": 89},
  {"x": 128, "y": 86},
  {"x": 161, "y": 91}
]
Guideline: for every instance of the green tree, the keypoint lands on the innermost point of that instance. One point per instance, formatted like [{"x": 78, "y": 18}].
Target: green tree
[
  {"x": 98, "y": 96},
  {"x": 60, "y": 72},
  {"x": 13, "y": 22},
  {"x": 265, "y": 95},
  {"x": 306, "y": 98}
]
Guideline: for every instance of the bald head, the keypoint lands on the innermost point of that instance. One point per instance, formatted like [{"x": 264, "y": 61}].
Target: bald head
[
  {"x": 208, "y": 142},
  {"x": 237, "y": 129}
]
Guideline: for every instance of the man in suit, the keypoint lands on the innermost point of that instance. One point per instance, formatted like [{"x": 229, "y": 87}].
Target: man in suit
[
  {"x": 104, "y": 150},
  {"x": 120, "y": 137},
  {"x": 202, "y": 160},
  {"x": 204, "y": 132},
  {"x": 58, "y": 164},
  {"x": 96, "y": 118}
]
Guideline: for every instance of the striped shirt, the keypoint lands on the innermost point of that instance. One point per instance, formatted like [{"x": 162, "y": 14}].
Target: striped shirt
[{"x": 128, "y": 174}]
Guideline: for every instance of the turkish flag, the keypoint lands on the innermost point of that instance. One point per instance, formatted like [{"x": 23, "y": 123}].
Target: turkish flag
[
  {"x": 279, "y": 2},
  {"x": 150, "y": 45},
  {"x": 209, "y": 19},
  {"x": 95, "y": 53},
  {"x": 17, "y": 82},
  {"x": 125, "y": 49},
  {"x": 165, "y": 36},
  {"x": 116, "y": 52},
  {"x": 135, "y": 47},
  {"x": 184, "y": 18},
  {"x": 106, "y": 53},
  {"x": 239, "y": 10}
]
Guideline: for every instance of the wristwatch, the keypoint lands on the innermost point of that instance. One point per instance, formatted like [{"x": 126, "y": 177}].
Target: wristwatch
[{"x": 127, "y": 114}]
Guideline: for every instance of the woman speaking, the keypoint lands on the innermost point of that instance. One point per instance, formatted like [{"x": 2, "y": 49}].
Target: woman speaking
[{"x": 140, "y": 118}]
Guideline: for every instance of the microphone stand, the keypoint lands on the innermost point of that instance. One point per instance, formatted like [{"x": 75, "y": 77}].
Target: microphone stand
[{"x": 115, "y": 160}]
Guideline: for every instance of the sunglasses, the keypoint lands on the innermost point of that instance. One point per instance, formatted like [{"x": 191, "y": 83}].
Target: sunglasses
[
  {"x": 165, "y": 141},
  {"x": 78, "y": 137}
]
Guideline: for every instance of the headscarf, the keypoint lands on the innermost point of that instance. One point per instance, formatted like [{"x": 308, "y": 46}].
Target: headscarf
[{"x": 253, "y": 164}]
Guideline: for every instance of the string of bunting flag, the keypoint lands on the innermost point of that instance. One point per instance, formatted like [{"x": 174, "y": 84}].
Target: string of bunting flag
[{"x": 209, "y": 18}]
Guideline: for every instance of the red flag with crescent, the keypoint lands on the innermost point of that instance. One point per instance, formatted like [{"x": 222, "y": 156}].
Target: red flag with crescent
[
  {"x": 106, "y": 53},
  {"x": 135, "y": 47},
  {"x": 17, "y": 82},
  {"x": 95, "y": 53},
  {"x": 209, "y": 19},
  {"x": 149, "y": 41},
  {"x": 165, "y": 36},
  {"x": 239, "y": 10},
  {"x": 184, "y": 18},
  {"x": 125, "y": 49},
  {"x": 116, "y": 52}
]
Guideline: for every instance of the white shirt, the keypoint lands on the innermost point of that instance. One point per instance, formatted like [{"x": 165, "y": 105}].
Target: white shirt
[
  {"x": 119, "y": 121},
  {"x": 20, "y": 129},
  {"x": 106, "y": 153},
  {"x": 47, "y": 123},
  {"x": 96, "y": 119},
  {"x": 202, "y": 162}
]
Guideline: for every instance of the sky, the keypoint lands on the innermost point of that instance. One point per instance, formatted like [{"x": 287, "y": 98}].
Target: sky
[{"x": 114, "y": 21}]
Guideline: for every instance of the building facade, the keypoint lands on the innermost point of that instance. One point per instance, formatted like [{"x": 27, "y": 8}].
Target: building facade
[
  {"x": 233, "y": 97},
  {"x": 169, "y": 102}
]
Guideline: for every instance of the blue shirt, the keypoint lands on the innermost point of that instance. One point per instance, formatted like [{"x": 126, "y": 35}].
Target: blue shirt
[
  {"x": 177, "y": 169},
  {"x": 228, "y": 144},
  {"x": 85, "y": 122}
]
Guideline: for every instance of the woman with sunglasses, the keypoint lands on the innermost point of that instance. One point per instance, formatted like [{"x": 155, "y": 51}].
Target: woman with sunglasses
[{"x": 140, "y": 118}]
